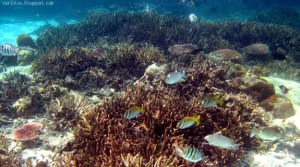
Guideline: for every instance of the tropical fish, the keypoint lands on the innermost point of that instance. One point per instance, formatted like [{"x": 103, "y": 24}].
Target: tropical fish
[
  {"x": 191, "y": 154},
  {"x": 284, "y": 89},
  {"x": 219, "y": 140},
  {"x": 211, "y": 101},
  {"x": 175, "y": 77},
  {"x": 188, "y": 122},
  {"x": 133, "y": 112},
  {"x": 8, "y": 50},
  {"x": 266, "y": 133}
]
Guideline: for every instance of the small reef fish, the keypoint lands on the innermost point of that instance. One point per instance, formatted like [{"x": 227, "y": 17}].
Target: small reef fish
[
  {"x": 221, "y": 141},
  {"x": 266, "y": 133},
  {"x": 212, "y": 101},
  {"x": 188, "y": 122},
  {"x": 8, "y": 50},
  {"x": 189, "y": 153},
  {"x": 284, "y": 89},
  {"x": 175, "y": 77},
  {"x": 133, "y": 112}
]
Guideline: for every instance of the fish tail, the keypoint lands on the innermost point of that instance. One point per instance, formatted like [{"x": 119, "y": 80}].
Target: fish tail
[
  {"x": 197, "y": 120},
  {"x": 235, "y": 147},
  {"x": 253, "y": 132},
  {"x": 221, "y": 101}
]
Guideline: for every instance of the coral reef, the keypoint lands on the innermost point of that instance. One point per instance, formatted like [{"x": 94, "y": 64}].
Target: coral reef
[
  {"x": 161, "y": 31},
  {"x": 90, "y": 68},
  {"x": 105, "y": 138},
  {"x": 257, "y": 51},
  {"x": 24, "y": 40},
  {"x": 65, "y": 111},
  {"x": 60, "y": 62},
  {"x": 27, "y": 131},
  {"x": 12, "y": 86},
  {"x": 226, "y": 54},
  {"x": 183, "y": 49},
  {"x": 26, "y": 56},
  {"x": 7, "y": 158}
]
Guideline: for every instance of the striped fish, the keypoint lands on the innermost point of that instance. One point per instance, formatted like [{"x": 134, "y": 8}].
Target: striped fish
[
  {"x": 188, "y": 122},
  {"x": 191, "y": 154},
  {"x": 8, "y": 50},
  {"x": 133, "y": 112}
]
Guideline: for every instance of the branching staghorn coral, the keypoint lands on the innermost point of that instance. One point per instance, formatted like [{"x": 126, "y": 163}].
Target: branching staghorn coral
[
  {"x": 66, "y": 110},
  {"x": 7, "y": 158},
  {"x": 12, "y": 86},
  {"x": 104, "y": 137},
  {"x": 163, "y": 31}
]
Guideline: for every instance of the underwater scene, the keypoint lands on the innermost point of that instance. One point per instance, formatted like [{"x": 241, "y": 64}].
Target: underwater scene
[{"x": 150, "y": 83}]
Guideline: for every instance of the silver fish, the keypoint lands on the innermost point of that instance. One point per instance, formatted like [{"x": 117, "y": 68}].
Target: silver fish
[
  {"x": 189, "y": 153},
  {"x": 212, "y": 101},
  {"x": 266, "y": 133},
  {"x": 221, "y": 141},
  {"x": 188, "y": 122},
  {"x": 8, "y": 50},
  {"x": 175, "y": 77}
]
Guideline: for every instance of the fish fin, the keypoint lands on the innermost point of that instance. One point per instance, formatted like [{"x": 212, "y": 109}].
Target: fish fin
[
  {"x": 197, "y": 120},
  {"x": 253, "y": 132}
]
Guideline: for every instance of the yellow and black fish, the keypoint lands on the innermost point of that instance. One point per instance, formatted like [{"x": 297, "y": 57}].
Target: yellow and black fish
[
  {"x": 133, "y": 112},
  {"x": 212, "y": 101},
  {"x": 188, "y": 122}
]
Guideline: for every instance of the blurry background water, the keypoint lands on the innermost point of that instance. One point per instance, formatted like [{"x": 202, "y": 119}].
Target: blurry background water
[
  {"x": 28, "y": 15},
  {"x": 263, "y": 10}
]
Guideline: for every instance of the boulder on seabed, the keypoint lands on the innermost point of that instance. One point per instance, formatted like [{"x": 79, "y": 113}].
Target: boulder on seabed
[
  {"x": 258, "y": 88},
  {"x": 280, "y": 106}
]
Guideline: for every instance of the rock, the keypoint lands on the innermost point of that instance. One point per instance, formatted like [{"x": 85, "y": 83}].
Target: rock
[
  {"x": 182, "y": 49},
  {"x": 26, "y": 57},
  {"x": 24, "y": 40},
  {"x": 256, "y": 49},
  {"x": 280, "y": 106},
  {"x": 225, "y": 54},
  {"x": 258, "y": 88}
]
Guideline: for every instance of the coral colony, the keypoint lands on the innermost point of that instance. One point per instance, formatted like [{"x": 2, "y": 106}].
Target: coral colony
[{"x": 168, "y": 96}]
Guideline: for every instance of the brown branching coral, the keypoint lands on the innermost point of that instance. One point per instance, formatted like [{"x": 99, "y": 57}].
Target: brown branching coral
[
  {"x": 66, "y": 110},
  {"x": 7, "y": 159},
  {"x": 163, "y": 31},
  {"x": 105, "y": 138},
  {"x": 59, "y": 62},
  {"x": 132, "y": 58},
  {"x": 12, "y": 86}
]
